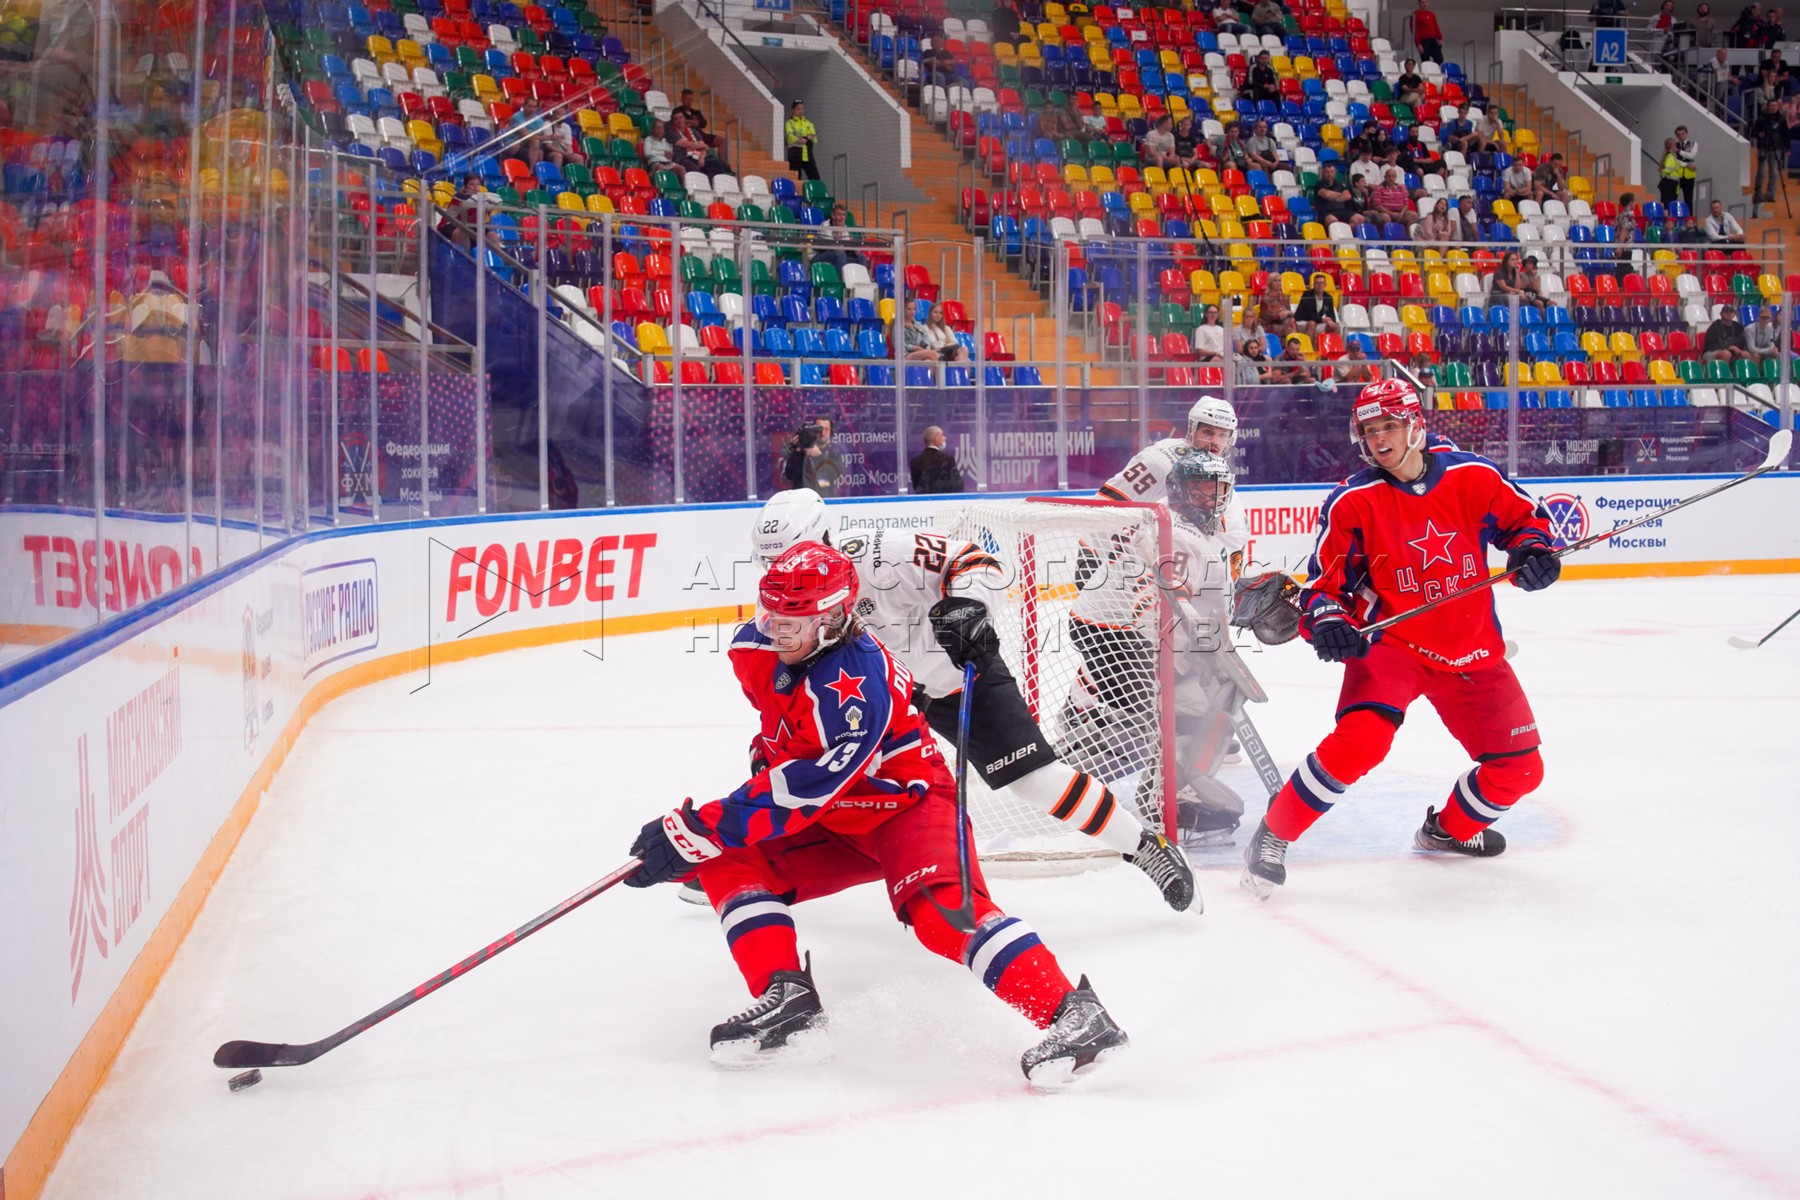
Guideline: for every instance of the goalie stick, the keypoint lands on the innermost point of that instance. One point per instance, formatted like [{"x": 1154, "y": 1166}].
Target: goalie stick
[
  {"x": 1778, "y": 452},
  {"x": 1258, "y": 752},
  {"x": 235, "y": 1055},
  {"x": 1743, "y": 643}
]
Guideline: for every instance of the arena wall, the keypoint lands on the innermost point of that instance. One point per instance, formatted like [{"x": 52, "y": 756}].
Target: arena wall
[{"x": 139, "y": 748}]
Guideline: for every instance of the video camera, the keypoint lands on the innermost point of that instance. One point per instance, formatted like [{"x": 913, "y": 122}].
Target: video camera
[{"x": 808, "y": 436}]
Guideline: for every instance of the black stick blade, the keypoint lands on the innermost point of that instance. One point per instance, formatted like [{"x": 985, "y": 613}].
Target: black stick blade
[{"x": 238, "y": 1055}]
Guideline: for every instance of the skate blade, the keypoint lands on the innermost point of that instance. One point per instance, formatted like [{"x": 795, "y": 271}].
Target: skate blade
[
  {"x": 1256, "y": 885},
  {"x": 1212, "y": 837},
  {"x": 693, "y": 896},
  {"x": 1060, "y": 1073},
  {"x": 806, "y": 1048}
]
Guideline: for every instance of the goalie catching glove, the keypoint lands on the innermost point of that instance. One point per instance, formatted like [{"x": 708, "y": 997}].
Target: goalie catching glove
[
  {"x": 1267, "y": 605},
  {"x": 965, "y": 631},
  {"x": 670, "y": 847}
]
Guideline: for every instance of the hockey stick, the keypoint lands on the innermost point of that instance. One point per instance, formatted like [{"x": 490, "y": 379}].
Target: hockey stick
[
  {"x": 1778, "y": 452},
  {"x": 1260, "y": 758},
  {"x": 281, "y": 1054},
  {"x": 962, "y": 918},
  {"x": 1746, "y": 644}
]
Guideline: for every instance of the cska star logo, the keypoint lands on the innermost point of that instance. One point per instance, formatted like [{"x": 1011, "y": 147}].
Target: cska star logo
[
  {"x": 847, "y": 687},
  {"x": 1434, "y": 547}
]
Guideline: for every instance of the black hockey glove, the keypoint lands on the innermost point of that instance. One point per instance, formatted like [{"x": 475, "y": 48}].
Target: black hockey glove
[
  {"x": 1536, "y": 564},
  {"x": 670, "y": 847},
  {"x": 965, "y": 631},
  {"x": 1333, "y": 637}
]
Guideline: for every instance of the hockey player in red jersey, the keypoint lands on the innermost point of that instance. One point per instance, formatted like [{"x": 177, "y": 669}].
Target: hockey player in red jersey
[
  {"x": 1413, "y": 527},
  {"x": 852, "y": 790}
]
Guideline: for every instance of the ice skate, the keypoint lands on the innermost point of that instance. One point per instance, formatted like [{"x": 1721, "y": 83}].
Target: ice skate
[
  {"x": 786, "y": 1024},
  {"x": 692, "y": 892},
  {"x": 1265, "y": 863},
  {"x": 1162, "y": 861},
  {"x": 1081, "y": 1036},
  {"x": 1201, "y": 824},
  {"x": 1431, "y": 839}
]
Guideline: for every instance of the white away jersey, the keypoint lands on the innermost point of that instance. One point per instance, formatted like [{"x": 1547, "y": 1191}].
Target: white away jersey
[
  {"x": 1145, "y": 480},
  {"x": 1122, "y": 593},
  {"x": 900, "y": 574}
]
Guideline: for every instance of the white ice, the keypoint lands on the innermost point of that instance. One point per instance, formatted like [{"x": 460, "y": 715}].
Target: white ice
[{"x": 1608, "y": 1010}]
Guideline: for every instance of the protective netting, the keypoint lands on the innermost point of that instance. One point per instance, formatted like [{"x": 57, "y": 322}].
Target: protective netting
[{"x": 1078, "y": 626}]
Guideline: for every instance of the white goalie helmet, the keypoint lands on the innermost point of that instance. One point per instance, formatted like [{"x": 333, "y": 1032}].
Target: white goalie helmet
[
  {"x": 1213, "y": 412},
  {"x": 788, "y": 519}
]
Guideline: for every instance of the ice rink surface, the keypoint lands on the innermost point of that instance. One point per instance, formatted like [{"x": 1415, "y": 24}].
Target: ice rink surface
[{"x": 1608, "y": 1010}]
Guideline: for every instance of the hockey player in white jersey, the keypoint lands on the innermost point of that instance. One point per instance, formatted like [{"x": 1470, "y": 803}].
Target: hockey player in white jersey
[
  {"x": 924, "y": 595},
  {"x": 1211, "y": 426},
  {"x": 1114, "y": 622}
]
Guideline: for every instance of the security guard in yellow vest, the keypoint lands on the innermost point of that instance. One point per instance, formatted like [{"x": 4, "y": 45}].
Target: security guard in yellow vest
[{"x": 802, "y": 143}]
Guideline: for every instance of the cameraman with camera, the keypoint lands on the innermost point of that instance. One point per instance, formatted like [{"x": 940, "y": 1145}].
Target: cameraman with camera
[
  {"x": 1769, "y": 134},
  {"x": 811, "y": 460}
]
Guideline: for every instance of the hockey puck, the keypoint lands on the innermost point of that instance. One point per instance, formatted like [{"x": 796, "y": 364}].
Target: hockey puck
[{"x": 250, "y": 1078}]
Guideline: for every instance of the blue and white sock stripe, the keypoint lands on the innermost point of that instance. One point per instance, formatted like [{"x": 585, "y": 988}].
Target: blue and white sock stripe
[
  {"x": 1315, "y": 786},
  {"x": 993, "y": 947},
  {"x": 751, "y": 911},
  {"x": 1475, "y": 806}
]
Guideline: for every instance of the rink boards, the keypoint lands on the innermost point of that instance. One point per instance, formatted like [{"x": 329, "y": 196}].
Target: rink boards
[{"x": 138, "y": 751}]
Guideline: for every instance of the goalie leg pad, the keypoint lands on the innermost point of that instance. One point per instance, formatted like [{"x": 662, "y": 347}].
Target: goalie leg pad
[
  {"x": 1083, "y": 803},
  {"x": 1488, "y": 790}
]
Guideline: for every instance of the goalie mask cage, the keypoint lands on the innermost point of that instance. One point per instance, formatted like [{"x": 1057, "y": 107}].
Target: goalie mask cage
[{"x": 1078, "y": 625}]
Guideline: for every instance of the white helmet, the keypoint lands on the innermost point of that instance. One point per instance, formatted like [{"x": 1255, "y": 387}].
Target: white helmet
[
  {"x": 1216, "y": 412},
  {"x": 789, "y": 518}
]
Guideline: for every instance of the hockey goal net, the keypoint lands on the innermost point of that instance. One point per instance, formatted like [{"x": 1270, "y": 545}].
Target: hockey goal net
[{"x": 1077, "y": 625}]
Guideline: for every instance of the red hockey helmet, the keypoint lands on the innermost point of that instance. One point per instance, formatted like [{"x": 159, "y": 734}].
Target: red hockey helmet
[
  {"x": 1387, "y": 398},
  {"x": 809, "y": 587}
]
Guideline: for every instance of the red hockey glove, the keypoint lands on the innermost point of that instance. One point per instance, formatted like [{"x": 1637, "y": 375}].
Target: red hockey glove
[{"x": 671, "y": 846}]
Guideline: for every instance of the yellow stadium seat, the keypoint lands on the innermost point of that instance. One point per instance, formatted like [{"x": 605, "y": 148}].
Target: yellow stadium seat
[
  {"x": 1662, "y": 371},
  {"x": 1667, "y": 262},
  {"x": 1143, "y": 204},
  {"x": 621, "y": 125},
  {"x": 1547, "y": 372},
  {"x": 381, "y": 50},
  {"x": 1624, "y": 346},
  {"x": 1305, "y": 67},
  {"x": 1292, "y": 284},
  {"x": 1312, "y": 231},
  {"x": 1415, "y": 318},
  {"x": 1107, "y": 103},
  {"x": 1075, "y": 175},
  {"x": 1594, "y": 346},
  {"x": 570, "y": 201},
  {"x": 1156, "y": 180},
  {"x": 1232, "y": 283},
  {"x": 591, "y": 122},
  {"x": 1170, "y": 60},
  {"x": 1505, "y": 212},
  {"x": 1248, "y": 208},
  {"x": 487, "y": 91},
  {"x": 1221, "y": 205},
  {"x": 410, "y": 52},
  {"x": 1004, "y": 52},
  {"x": 1770, "y": 287},
  {"x": 1207, "y": 180},
  {"x": 1130, "y": 106},
  {"x": 651, "y": 339},
  {"x": 1178, "y": 107},
  {"x": 1103, "y": 181},
  {"x": 1203, "y": 285},
  {"x": 1459, "y": 262},
  {"x": 1236, "y": 250},
  {"x": 599, "y": 202}
]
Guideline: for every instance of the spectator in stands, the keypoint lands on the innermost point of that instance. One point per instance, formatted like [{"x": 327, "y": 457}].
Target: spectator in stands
[
  {"x": 1365, "y": 168},
  {"x": 1373, "y": 136},
  {"x": 1606, "y": 13},
  {"x": 658, "y": 152},
  {"x": 1232, "y": 152},
  {"x": 690, "y": 149},
  {"x": 1263, "y": 83},
  {"x": 1662, "y": 28},
  {"x": 695, "y": 118},
  {"x": 1355, "y": 366},
  {"x": 1668, "y": 185},
  {"x": 1209, "y": 335},
  {"x": 1226, "y": 19},
  {"x": 1410, "y": 87},
  {"x": 1460, "y": 135},
  {"x": 840, "y": 232},
  {"x": 1437, "y": 228},
  {"x": 1426, "y": 33},
  {"x": 1771, "y": 137},
  {"x": 1551, "y": 181},
  {"x": 1688, "y": 152},
  {"x": 932, "y": 340},
  {"x": 1331, "y": 198},
  {"x": 1493, "y": 132},
  {"x": 1690, "y": 233},
  {"x": 1715, "y": 75},
  {"x": 1252, "y": 364},
  {"x": 817, "y": 466},
  {"x": 1724, "y": 341},
  {"x": 802, "y": 140},
  {"x": 1468, "y": 220},
  {"x": 1269, "y": 18},
  {"x": 1058, "y": 121},
  {"x": 1706, "y": 30},
  {"x": 1187, "y": 144},
  {"x": 933, "y": 471},
  {"x": 1530, "y": 285},
  {"x": 1292, "y": 366},
  {"x": 1274, "y": 316},
  {"x": 1425, "y": 371},
  {"x": 1507, "y": 280},
  {"x": 1260, "y": 147},
  {"x": 1003, "y": 23},
  {"x": 1159, "y": 144},
  {"x": 1317, "y": 312},
  {"x": 1763, "y": 337},
  {"x": 1721, "y": 226},
  {"x": 1414, "y": 157},
  {"x": 1390, "y": 201},
  {"x": 1747, "y": 29}
]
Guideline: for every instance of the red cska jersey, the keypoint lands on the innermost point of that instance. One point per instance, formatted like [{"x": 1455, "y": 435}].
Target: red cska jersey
[
  {"x": 846, "y": 748},
  {"x": 1385, "y": 547}
]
